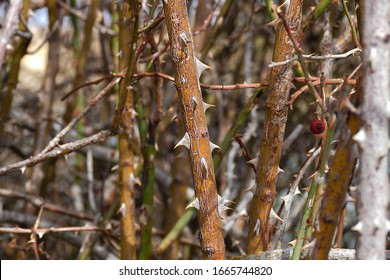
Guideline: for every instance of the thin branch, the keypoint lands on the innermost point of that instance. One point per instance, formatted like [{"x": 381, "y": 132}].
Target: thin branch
[
  {"x": 58, "y": 151},
  {"x": 86, "y": 110},
  {"x": 42, "y": 231},
  {"x": 316, "y": 57},
  {"x": 351, "y": 23},
  {"x": 288, "y": 199}
]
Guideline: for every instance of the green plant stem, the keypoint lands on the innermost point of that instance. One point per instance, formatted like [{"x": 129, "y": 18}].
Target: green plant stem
[
  {"x": 320, "y": 177},
  {"x": 149, "y": 154},
  {"x": 305, "y": 219},
  {"x": 313, "y": 200},
  {"x": 175, "y": 231},
  {"x": 352, "y": 24},
  {"x": 270, "y": 11}
]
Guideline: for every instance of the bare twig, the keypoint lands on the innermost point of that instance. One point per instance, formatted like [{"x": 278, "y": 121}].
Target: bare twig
[
  {"x": 86, "y": 110},
  {"x": 316, "y": 57},
  {"x": 58, "y": 151},
  {"x": 42, "y": 231},
  {"x": 288, "y": 199}
]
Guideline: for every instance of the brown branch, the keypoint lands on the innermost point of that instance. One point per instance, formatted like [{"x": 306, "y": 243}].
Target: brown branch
[
  {"x": 94, "y": 82},
  {"x": 131, "y": 49},
  {"x": 273, "y": 133},
  {"x": 196, "y": 139},
  {"x": 42, "y": 231}
]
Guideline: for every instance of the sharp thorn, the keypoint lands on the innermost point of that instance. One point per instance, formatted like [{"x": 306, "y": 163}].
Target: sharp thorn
[
  {"x": 185, "y": 141},
  {"x": 207, "y": 106},
  {"x": 358, "y": 227},
  {"x": 200, "y": 67},
  {"x": 194, "y": 204},
  {"x": 214, "y": 146}
]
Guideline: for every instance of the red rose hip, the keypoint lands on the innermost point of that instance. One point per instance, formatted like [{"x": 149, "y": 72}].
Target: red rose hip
[{"x": 317, "y": 126}]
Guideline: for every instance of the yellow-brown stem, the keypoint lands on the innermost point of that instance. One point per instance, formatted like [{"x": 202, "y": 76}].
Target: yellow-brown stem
[
  {"x": 188, "y": 87},
  {"x": 272, "y": 139}
]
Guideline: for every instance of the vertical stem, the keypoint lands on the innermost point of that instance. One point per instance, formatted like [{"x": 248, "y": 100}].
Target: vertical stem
[
  {"x": 272, "y": 139},
  {"x": 128, "y": 34},
  {"x": 49, "y": 93},
  {"x": 82, "y": 58},
  {"x": 149, "y": 154},
  {"x": 20, "y": 50},
  {"x": 196, "y": 139},
  {"x": 373, "y": 138},
  {"x": 333, "y": 201},
  {"x": 315, "y": 194}
]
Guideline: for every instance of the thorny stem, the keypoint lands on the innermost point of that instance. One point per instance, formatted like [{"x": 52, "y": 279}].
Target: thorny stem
[
  {"x": 124, "y": 119},
  {"x": 218, "y": 156},
  {"x": 273, "y": 134},
  {"x": 196, "y": 139},
  {"x": 333, "y": 202}
]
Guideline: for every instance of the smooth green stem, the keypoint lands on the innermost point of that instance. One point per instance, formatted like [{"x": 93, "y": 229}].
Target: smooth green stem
[
  {"x": 305, "y": 220},
  {"x": 270, "y": 11},
  {"x": 149, "y": 154}
]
